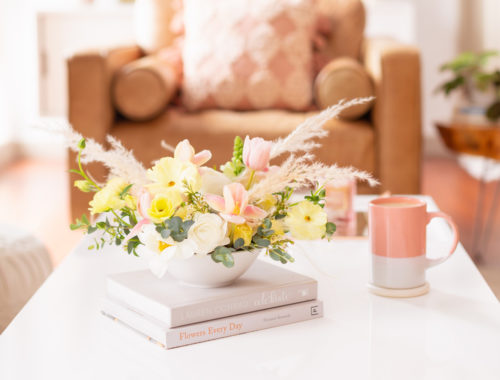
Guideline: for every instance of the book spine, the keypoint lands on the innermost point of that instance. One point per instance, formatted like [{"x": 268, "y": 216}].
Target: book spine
[
  {"x": 243, "y": 323},
  {"x": 270, "y": 298}
]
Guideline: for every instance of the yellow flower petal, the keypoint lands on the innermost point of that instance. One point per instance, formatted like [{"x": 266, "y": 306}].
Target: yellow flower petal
[{"x": 307, "y": 221}]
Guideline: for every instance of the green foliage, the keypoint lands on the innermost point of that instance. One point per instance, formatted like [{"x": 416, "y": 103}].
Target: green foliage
[
  {"x": 239, "y": 243},
  {"x": 223, "y": 255},
  {"x": 82, "y": 223},
  {"x": 317, "y": 197},
  {"x": 330, "y": 229},
  {"x": 236, "y": 165},
  {"x": 174, "y": 228},
  {"x": 279, "y": 254},
  {"x": 281, "y": 207},
  {"x": 195, "y": 199},
  {"x": 469, "y": 73},
  {"x": 81, "y": 144}
]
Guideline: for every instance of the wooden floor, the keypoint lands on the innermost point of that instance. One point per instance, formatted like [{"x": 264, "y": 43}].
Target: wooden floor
[{"x": 34, "y": 195}]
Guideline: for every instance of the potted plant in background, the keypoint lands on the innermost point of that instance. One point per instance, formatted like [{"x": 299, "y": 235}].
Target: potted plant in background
[
  {"x": 478, "y": 85},
  {"x": 206, "y": 226}
]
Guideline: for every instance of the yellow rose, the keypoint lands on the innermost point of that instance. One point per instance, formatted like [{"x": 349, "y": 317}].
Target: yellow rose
[
  {"x": 164, "y": 205},
  {"x": 171, "y": 173},
  {"x": 307, "y": 221},
  {"x": 108, "y": 198},
  {"x": 243, "y": 231}
]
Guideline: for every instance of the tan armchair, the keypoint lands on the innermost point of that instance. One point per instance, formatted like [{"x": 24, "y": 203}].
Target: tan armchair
[{"x": 387, "y": 142}]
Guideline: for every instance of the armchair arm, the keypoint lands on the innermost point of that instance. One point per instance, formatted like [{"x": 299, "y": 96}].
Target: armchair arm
[
  {"x": 90, "y": 109},
  {"x": 395, "y": 69},
  {"x": 89, "y": 78}
]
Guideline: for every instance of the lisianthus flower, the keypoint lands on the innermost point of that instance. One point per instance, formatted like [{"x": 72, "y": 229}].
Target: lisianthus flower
[
  {"x": 234, "y": 206},
  {"x": 172, "y": 173},
  {"x": 306, "y": 221},
  {"x": 108, "y": 198},
  {"x": 158, "y": 251},
  {"x": 256, "y": 153},
  {"x": 184, "y": 151}
]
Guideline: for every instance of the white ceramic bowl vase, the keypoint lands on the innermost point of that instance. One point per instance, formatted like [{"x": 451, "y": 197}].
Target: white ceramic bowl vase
[{"x": 201, "y": 271}]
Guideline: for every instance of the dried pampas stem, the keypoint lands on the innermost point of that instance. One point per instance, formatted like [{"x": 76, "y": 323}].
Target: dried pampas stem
[
  {"x": 311, "y": 128},
  {"x": 165, "y": 145},
  {"x": 120, "y": 161},
  {"x": 298, "y": 172}
]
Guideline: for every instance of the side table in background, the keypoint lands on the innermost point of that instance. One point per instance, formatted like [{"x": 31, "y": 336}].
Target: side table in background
[{"x": 482, "y": 141}]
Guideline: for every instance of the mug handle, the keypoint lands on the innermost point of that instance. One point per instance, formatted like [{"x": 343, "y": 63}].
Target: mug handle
[{"x": 430, "y": 216}]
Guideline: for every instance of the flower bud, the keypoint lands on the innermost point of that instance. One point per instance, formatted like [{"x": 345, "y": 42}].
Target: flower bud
[{"x": 84, "y": 185}]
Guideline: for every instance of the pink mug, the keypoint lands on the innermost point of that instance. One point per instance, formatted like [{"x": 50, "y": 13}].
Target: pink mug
[{"x": 397, "y": 230}]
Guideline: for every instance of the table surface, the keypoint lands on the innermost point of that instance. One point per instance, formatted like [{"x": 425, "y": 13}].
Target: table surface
[{"x": 451, "y": 333}]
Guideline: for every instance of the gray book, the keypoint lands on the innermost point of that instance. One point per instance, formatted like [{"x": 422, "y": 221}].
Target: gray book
[
  {"x": 156, "y": 331},
  {"x": 263, "y": 286}
]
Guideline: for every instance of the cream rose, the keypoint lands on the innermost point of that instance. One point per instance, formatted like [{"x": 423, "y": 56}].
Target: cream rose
[{"x": 208, "y": 232}]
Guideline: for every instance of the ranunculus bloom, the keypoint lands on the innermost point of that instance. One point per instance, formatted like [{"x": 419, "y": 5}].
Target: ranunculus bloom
[
  {"x": 256, "y": 153},
  {"x": 184, "y": 151},
  {"x": 306, "y": 221},
  {"x": 234, "y": 206}
]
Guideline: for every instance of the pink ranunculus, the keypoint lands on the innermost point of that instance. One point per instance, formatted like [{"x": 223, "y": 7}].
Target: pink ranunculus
[
  {"x": 184, "y": 151},
  {"x": 234, "y": 206},
  {"x": 256, "y": 153}
]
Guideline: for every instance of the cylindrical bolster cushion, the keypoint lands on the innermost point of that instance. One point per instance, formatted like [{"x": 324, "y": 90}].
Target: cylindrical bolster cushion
[
  {"x": 143, "y": 88},
  {"x": 343, "y": 78}
]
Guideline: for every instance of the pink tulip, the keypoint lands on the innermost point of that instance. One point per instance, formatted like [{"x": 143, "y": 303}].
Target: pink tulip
[
  {"x": 234, "y": 206},
  {"x": 184, "y": 151},
  {"x": 256, "y": 153}
]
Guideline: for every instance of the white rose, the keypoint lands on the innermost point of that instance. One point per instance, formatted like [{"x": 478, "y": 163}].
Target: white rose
[
  {"x": 208, "y": 232},
  {"x": 212, "y": 181}
]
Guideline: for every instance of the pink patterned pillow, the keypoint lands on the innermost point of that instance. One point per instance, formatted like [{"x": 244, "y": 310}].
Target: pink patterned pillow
[{"x": 248, "y": 54}]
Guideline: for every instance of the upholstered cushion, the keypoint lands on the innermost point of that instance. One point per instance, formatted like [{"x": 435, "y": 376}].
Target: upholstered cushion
[
  {"x": 24, "y": 265},
  {"x": 347, "y": 24},
  {"x": 248, "y": 54},
  {"x": 343, "y": 78},
  {"x": 143, "y": 88}
]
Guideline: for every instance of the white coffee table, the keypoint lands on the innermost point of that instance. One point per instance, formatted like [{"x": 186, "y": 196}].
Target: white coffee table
[{"x": 451, "y": 333}]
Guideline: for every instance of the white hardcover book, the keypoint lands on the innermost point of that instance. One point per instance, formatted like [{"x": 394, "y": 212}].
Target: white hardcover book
[
  {"x": 218, "y": 328},
  {"x": 262, "y": 287}
]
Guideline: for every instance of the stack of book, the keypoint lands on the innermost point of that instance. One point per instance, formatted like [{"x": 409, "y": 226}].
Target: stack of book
[{"x": 175, "y": 315}]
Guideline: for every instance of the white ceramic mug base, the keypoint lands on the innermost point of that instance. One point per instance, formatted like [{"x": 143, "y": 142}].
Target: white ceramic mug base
[
  {"x": 398, "y": 272},
  {"x": 399, "y": 293}
]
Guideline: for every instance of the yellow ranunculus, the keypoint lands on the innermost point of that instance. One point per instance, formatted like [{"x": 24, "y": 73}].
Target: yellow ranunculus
[
  {"x": 278, "y": 226},
  {"x": 108, "y": 198},
  {"x": 243, "y": 231},
  {"x": 307, "y": 221},
  {"x": 267, "y": 202},
  {"x": 164, "y": 204},
  {"x": 171, "y": 173}
]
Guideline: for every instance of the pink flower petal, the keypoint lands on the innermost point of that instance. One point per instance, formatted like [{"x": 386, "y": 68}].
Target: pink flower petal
[
  {"x": 201, "y": 157},
  {"x": 236, "y": 219},
  {"x": 246, "y": 150},
  {"x": 228, "y": 198},
  {"x": 144, "y": 203},
  {"x": 137, "y": 228},
  {"x": 237, "y": 196},
  {"x": 254, "y": 212},
  {"x": 214, "y": 201},
  {"x": 184, "y": 151}
]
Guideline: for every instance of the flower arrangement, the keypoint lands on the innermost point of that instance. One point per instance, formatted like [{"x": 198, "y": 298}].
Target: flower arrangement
[{"x": 179, "y": 207}]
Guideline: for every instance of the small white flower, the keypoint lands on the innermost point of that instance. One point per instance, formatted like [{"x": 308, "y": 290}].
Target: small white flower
[
  {"x": 208, "y": 232},
  {"x": 158, "y": 251}
]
